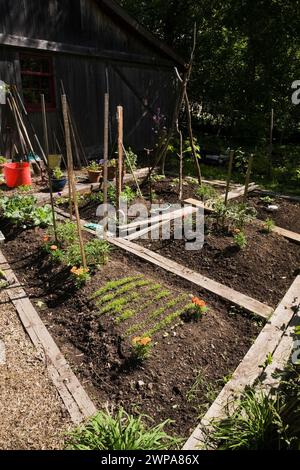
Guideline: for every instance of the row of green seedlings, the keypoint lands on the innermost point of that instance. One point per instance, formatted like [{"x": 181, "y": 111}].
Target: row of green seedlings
[
  {"x": 115, "y": 297},
  {"x": 68, "y": 253}
]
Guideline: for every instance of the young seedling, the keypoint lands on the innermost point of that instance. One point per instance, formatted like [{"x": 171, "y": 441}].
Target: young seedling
[
  {"x": 240, "y": 240},
  {"x": 269, "y": 225}
]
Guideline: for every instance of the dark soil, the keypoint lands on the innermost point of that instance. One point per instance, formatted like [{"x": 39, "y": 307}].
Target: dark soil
[
  {"x": 288, "y": 215},
  {"x": 263, "y": 270},
  {"x": 95, "y": 348}
]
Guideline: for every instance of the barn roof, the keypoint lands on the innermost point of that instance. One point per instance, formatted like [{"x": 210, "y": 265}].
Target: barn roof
[{"x": 115, "y": 10}]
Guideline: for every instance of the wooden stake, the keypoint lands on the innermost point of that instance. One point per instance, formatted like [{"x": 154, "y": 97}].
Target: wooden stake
[
  {"x": 189, "y": 118},
  {"x": 105, "y": 149},
  {"x": 180, "y": 156},
  {"x": 45, "y": 127},
  {"x": 71, "y": 176},
  {"x": 119, "y": 181},
  {"x": 248, "y": 177},
  {"x": 231, "y": 157}
]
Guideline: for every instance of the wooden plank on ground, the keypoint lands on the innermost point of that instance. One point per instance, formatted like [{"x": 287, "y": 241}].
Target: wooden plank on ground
[
  {"x": 164, "y": 219},
  {"x": 251, "y": 368},
  {"x": 41, "y": 338},
  {"x": 210, "y": 285}
]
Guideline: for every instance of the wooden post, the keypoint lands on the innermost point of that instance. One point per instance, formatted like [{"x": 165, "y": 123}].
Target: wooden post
[
  {"x": 46, "y": 142},
  {"x": 71, "y": 176},
  {"x": 105, "y": 148},
  {"x": 231, "y": 157},
  {"x": 271, "y": 140},
  {"x": 119, "y": 181},
  {"x": 180, "y": 156},
  {"x": 248, "y": 177},
  {"x": 191, "y": 136}
]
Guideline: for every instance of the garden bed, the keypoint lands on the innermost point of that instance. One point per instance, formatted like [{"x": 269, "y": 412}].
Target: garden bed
[
  {"x": 190, "y": 360},
  {"x": 263, "y": 270},
  {"x": 287, "y": 216}
]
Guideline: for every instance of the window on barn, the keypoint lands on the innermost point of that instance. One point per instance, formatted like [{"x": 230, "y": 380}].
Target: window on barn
[{"x": 37, "y": 79}]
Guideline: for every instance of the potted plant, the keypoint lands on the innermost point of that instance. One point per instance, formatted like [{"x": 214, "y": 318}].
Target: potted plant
[
  {"x": 94, "y": 172},
  {"x": 112, "y": 169},
  {"x": 58, "y": 180},
  {"x": 2, "y": 163}
]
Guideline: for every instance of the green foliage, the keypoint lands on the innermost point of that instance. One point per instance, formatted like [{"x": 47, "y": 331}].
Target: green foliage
[
  {"x": 125, "y": 316},
  {"x": 267, "y": 200},
  {"x": 207, "y": 193},
  {"x": 239, "y": 215},
  {"x": 269, "y": 225},
  {"x": 96, "y": 251},
  {"x": 158, "y": 178},
  {"x": 57, "y": 173},
  {"x": 240, "y": 240},
  {"x": 95, "y": 167},
  {"x": 66, "y": 232},
  {"x": 128, "y": 194},
  {"x": 3, "y": 160},
  {"x": 256, "y": 424},
  {"x": 23, "y": 210},
  {"x": 121, "y": 431},
  {"x": 24, "y": 189},
  {"x": 133, "y": 158},
  {"x": 112, "y": 285}
]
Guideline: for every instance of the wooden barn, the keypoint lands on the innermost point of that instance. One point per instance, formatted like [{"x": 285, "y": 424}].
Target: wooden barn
[{"x": 89, "y": 46}]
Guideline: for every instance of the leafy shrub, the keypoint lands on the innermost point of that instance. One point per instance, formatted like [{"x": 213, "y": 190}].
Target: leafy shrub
[
  {"x": 239, "y": 215},
  {"x": 96, "y": 251},
  {"x": 121, "y": 432},
  {"x": 23, "y": 210},
  {"x": 128, "y": 195},
  {"x": 206, "y": 193}
]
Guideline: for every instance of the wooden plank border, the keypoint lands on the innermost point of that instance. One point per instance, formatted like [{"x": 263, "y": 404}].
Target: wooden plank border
[
  {"x": 75, "y": 398},
  {"x": 251, "y": 369}
]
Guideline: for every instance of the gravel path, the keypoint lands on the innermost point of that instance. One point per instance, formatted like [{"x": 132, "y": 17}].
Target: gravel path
[{"x": 31, "y": 413}]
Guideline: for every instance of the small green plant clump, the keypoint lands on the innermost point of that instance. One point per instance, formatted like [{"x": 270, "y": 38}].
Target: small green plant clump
[
  {"x": 131, "y": 160},
  {"x": 142, "y": 347},
  {"x": 269, "y": 225},
  {"x": 68, "y": 252},
  {"x": 23, "y": 210},
  {"x": 207, "y": 193},
  {"x": 121, "y": 431},
  {"x": 57, "y": 174},
  {"x": 240, "y": 240},
  {"x": 128, "y": 195},
  {"x": 267, "y": 200}
]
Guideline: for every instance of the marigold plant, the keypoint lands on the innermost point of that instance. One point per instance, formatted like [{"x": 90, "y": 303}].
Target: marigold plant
[{"x": 142, "y": 346}]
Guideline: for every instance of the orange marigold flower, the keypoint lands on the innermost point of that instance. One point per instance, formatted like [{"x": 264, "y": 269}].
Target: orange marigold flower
[
  {"x": 199, "y": 302},
  {"x": 53, "y": 248},
  {"x": 46, "y": 239},
  {"x": 74, "y": 270},
  {"x": 145, "y": 341},
  {"x": 136, "y": 340}
]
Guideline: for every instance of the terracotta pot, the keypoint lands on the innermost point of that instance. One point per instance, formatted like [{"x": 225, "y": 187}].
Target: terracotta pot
[{"x": 94, "y": 176}]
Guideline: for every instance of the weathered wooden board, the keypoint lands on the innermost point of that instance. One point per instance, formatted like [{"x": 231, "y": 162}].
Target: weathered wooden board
[
  {"x": 71, "y": 391},
  {"x": 252, "y": 366}
]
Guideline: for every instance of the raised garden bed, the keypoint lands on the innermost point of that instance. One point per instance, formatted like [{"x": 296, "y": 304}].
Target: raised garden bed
[
  {"x": 188, "y": 363},
  {"x": 287, "y": 216},
  {"x": 264, "y": 269}
]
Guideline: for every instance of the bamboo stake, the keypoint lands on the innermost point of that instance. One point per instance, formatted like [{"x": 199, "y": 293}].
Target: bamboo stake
[
  {"x": 180, "y": 156},
  {"x": 248, "y": 177},
  {"x": 133, "y": 174},
  {"x": 119, "y": 181},
  {"x": 72, "y": 180},
  {"x": 191, "y": 136},
  {"x": 106, "y": 144},
  {"x": 30, "y": 124},
  {"x": 231, "y": 157},
  {"x": 22, "y": 141},
  {"x": 45, "y": 127}
]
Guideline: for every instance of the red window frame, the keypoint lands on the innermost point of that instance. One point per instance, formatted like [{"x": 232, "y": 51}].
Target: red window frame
[{"x": 51, "y": 102}]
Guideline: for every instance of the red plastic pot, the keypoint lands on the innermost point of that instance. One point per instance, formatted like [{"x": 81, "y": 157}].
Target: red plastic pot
[{"x": 17, "y": 174}]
